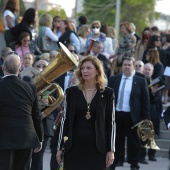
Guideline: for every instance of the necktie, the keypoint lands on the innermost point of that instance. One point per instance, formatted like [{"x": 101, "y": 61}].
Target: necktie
[
  {"x": 69, "y": 80},
  {"x": 120, "y": 105}
]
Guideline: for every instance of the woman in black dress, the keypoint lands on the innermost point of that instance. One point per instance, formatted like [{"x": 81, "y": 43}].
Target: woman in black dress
[{"x": 89, "y": 120}]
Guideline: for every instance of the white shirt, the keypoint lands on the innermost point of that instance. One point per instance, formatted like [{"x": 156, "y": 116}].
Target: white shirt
[
  {"x": 67, "y": 80},
  {"x": 127, "y": 92},
  {"x": 49, "y": 33},
  {"x": 13, "y": 17},
  {"x": 168, "y": 125}
]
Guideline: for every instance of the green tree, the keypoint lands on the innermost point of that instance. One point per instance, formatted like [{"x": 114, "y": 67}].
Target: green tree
[
  {"x": 137, "y": 11},
  {"x": 54, "y": 12}
]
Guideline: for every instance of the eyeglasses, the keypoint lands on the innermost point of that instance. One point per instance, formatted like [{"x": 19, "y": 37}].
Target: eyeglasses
[
  {"x": 95, "y": 27},
  {"x": 157, "y": 40},
  {"x": 26, "y": 41},
  {"x": 138, "y": 65},
  {"x": 72, "y": 51},
  {"x": 57, "y": 21},
  {"x": 13, "y": 52},
  {"x": 41, "y": 65}
]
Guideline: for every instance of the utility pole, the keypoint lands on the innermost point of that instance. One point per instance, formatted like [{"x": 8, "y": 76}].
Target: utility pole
[
  {"x": 75, "y": 10},
  {"x": 153, "y": 14},
  {"x": 117, "y": 17},
  {"x": 37, "y": 18}
]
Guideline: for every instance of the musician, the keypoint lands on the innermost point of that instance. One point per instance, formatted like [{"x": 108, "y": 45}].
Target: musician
[
  {"x": 20, "y": 124},
  {"x": 154, "y": 112},
  {"x": 48, "y": 121},
  {"x": 132, "y": 106},
  {"x": 89, "y": 120},
  {"x": 65, "y": 81}
]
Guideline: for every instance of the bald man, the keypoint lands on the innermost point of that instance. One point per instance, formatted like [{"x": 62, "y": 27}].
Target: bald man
[{"x": 21, "y": 130}]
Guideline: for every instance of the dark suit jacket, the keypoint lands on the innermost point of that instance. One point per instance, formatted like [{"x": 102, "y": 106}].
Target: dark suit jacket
[
  {"x": 104, "y": 124},
  {"x": 167, "y": 116},
  {"x": 60, "y": 80},
  {"x": 20, "y": 123},
  {"x": 102, "y": 58},
  {"x": 139, "y": 97}
]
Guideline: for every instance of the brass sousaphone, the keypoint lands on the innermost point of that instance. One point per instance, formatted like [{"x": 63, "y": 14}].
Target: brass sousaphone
[
  {"x": 146, "y": 133},
  {"x": 63, "y": 62}
]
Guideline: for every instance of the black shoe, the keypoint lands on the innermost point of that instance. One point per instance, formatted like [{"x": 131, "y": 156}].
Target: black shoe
[
  {"x": 134, "y": 168},
  {"x": 143, "y": 161},
  {"x": 152, "y": 158},
  {"x": 120, "y": 164},
  {"x": 156, "y": 136}
]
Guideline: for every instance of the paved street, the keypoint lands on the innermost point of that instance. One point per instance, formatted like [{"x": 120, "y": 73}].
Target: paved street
[{"x": 161, "y": 164}]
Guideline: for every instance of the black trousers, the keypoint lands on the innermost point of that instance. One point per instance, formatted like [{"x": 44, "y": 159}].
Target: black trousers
[
  {"x": 37, "y": 158},
  {"x": 123, "y": 129},
  {"x": 54, "y": 141},
  {"x": 15, "y": 159}
]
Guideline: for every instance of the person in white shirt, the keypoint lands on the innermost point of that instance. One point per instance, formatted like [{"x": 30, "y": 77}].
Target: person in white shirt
[
  {"x": 132, "y": 106},
  {"x": 9, "y": 16},
  {"x": 45, "y": 24}
]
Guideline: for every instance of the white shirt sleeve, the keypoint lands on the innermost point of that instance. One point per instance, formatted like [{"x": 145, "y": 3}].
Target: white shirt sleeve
[
  {"x": 168, "y": 125},
  {"x": 75, "y": 41},
  {"x": 49, "y": 33},
  {"x": 9, "y": 13}
]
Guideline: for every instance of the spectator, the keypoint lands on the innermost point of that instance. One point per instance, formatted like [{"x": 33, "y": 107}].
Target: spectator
[
  {"x": 142, "y": 43},
  {"x": 108, "y": 43},
  {"x": 82, "y": 33},
  {"x": 82, "y": 21},
  {"x": 45, "y": 23},
  {"x": 10, "y": 13},
  {"x": 139, "y": 66},
  {"x": 26, "y": 25},
  {"x": 53, "y": 55},
  {"x": 56, "y": 26},
  {"x": 28, "y": 60},
  {"x": 68, "y": 36},
  {"x": 96, "y": 34},
  {"x": 24, "y": 45},
  {"x": 5, "y": 51}
]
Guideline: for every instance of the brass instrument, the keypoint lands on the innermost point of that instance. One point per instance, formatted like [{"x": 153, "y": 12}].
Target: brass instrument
[
  {"x": 63, "y": 62},
  {"x": 61, "y": 167},
  {"x": 146, "y": 133}
]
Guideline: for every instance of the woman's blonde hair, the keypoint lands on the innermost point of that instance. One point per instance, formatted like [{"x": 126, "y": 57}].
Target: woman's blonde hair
[
  {"x": 46, "y": 20},
  {"x": 112, "y": 32},
  {"x": 82, "y": 31},
  {"x": 153, "y": 56},
  {"x": 96, "y": 23},
  {"x": 101, "y": 80}
]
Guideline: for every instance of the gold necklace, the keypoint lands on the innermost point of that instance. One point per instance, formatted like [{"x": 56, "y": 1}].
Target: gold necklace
[{"x": 88, "y": 116}]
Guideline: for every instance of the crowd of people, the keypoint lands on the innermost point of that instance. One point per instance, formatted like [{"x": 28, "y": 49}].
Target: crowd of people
[{"x": 104, "y": 97}]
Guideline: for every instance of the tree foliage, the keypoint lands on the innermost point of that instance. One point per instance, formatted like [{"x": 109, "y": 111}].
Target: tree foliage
[
  {"x": 137, "y": 11},
  {"x": 54, "y": 12}
]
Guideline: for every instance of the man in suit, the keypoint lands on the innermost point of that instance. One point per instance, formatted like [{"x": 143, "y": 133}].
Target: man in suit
[
  {"x": 132, "y": 106},
  {"x": 20, "y": 123},
  {"x": 96, "y": 51}
]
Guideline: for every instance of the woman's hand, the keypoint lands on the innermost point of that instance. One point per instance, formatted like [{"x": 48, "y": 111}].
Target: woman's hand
[
  {"x": 109, "y": 158},
  {"x": 58, "y": 156}
]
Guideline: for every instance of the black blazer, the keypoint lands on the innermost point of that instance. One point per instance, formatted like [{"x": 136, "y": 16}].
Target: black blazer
[
  {"x": 104, "y": 124},
  {"x": 139, "y": 97},
  {"x": 167, "y": 116},
  {"x": 20, "y": 123}
]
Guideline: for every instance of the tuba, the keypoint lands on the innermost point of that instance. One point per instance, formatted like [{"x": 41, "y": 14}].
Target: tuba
[
  {"x": 63, "y": 62},
  {"x": 146, "y": 133}
]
